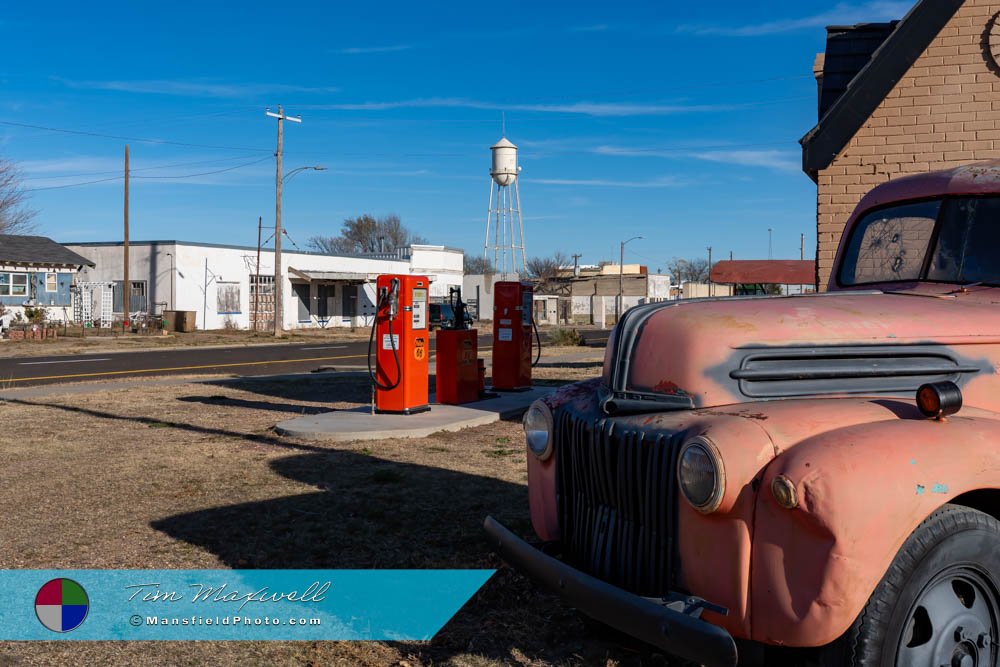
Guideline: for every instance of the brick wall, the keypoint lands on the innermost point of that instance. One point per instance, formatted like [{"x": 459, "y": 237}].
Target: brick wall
[{"x": 943, "y": 113}]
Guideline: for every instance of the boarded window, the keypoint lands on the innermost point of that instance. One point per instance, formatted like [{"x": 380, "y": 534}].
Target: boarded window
[
  {"x": 137, "y": 296},
  {"x": 228, "y": 295}
]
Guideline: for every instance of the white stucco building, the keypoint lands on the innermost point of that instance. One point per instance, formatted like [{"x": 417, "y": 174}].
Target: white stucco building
[{"x": 225, "y": 286}]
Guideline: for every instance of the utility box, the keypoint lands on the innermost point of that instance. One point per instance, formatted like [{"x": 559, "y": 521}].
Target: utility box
[
  {"x": 512, "y": 304},
  {"x": 183, "y": 321},
  {"x": 457, "y": 379}
]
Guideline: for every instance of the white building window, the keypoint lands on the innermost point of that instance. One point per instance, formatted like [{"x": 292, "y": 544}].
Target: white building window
[
  {"x": 228, "y": 295},
  {"x": 13, "y": 284},
  {"x": 51, "y": 282}
]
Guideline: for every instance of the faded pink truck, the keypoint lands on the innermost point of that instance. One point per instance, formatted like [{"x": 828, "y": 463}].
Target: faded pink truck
[{"x": 818, "y": 471}]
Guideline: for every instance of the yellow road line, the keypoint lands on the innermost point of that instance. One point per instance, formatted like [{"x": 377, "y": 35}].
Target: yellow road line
[{"x": 188, "y": 368}]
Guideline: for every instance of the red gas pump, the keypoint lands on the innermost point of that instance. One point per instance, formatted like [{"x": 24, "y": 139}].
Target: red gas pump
[
  {"x": 399, "y": 379},
  {"x": 456, "y": 354},
  {"x": 512, "y": 324}
]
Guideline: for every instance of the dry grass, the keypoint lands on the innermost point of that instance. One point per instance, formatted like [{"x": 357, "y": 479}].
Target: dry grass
[{"x": 191, "y": 476}]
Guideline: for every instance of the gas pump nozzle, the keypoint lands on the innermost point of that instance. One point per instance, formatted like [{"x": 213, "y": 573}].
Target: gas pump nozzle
[{"x": 457, "y": 308}]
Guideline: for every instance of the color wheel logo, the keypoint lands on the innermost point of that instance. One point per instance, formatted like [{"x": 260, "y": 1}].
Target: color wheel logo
[{"x": 61, "y": 605}]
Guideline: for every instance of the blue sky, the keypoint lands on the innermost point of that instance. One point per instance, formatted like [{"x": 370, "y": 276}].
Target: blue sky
[{"x": 676, "y": 122}]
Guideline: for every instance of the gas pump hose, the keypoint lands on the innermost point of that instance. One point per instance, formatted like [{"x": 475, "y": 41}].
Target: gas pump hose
[{"x": 395, "y": 354}]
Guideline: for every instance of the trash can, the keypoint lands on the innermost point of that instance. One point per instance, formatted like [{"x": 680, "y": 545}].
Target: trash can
[{"x": 182, "y": 321}]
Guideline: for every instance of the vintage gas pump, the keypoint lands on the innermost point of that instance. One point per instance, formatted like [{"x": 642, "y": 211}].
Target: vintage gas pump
[
  {"x": 457, "y": 352},
  {"x": 400, "y": 332},
  {"x": 512, "y": 325}
]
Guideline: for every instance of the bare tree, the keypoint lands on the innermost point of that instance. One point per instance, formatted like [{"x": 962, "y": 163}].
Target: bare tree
[
  {"x": 15, "y": 216},
  {"x": 367, "y": 234},
  {"x": 690, "y": 270},
  {"x": 547, "y": 268},
  {"x": 476, "y": 265}
]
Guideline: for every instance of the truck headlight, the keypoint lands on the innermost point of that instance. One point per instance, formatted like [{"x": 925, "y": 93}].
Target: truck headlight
[
  {"x": 701, "y": 475},
  {"x": 538, "y": 430}
]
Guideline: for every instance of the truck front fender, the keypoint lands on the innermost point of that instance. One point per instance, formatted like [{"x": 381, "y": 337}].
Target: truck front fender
[{"x": 861, "y": 491}]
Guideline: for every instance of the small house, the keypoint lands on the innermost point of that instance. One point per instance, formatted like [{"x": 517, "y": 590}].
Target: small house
[{"x": 35, "y": 271}]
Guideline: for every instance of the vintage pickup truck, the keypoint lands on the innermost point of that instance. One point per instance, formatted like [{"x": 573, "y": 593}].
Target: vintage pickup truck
[{"x": 817, "y": 471}]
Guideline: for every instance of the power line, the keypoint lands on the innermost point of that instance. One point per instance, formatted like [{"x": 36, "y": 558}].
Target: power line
[
  {"x": 161, "y": 166},
  {"x": 217, "y": 171},
  {"x": 115, "y": 178},
  {"x": 166, "y": 142}
]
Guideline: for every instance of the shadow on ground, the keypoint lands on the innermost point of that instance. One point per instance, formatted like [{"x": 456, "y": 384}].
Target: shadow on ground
[
  {"x": 230, "y": 402},
  {"x": 369, "y": 512}
]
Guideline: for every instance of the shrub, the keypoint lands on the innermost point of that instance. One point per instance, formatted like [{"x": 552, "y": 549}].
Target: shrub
[
  {"x": 565, "y": 337},
  {"x": 35, "y": 315}
]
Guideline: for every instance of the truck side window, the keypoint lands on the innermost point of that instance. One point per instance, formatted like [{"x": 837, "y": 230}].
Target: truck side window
[
  {"x": 967, "y": 245},
  {"x": 890, "y": 244}
]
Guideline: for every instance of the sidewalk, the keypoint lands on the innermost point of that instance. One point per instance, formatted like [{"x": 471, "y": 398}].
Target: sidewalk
[{"x": 361, "y": 424}]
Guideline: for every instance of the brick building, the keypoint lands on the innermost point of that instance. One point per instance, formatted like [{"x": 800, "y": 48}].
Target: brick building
[{"x": 910, "y": 96}]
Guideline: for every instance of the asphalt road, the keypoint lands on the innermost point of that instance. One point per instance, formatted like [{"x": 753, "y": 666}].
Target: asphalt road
[{"x": 239, "y": 360}]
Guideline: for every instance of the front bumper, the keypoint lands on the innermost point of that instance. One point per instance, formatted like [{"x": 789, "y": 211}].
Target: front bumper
[{"x": 678, "y": 633}]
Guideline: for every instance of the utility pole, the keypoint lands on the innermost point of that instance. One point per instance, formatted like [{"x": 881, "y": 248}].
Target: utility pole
[
  {"x": 256, "y": 291},
  {"x": 802, "y": 246},
  {"x": 279, "y": 286},
  {"x": 710, "y": 270},
  {"x": 770, "y": 254},
  {"x": 126, "y": 287},
  {"x": 619, "y": 304},
  {"x": 576, "y": 265}
]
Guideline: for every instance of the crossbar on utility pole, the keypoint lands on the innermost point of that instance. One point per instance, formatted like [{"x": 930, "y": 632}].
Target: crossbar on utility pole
[{"x": 279, "y": 291}]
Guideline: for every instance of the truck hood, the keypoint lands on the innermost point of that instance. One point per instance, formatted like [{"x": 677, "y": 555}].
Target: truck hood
[{"x": 712, "y": 352}]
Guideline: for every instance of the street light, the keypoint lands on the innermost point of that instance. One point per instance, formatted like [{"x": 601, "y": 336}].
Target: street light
[
  {"x": 621, "y": 278},
  {"x": 279, "y": 292}
]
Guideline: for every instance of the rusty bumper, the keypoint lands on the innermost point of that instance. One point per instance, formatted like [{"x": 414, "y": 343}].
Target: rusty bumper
[{"x": 678, "y": 633}]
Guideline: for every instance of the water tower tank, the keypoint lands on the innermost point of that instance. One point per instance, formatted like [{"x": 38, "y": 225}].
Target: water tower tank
[{"x": 504, "y": 170}]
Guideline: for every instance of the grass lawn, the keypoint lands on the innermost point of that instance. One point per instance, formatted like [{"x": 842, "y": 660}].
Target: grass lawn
[{"x": 191, "y": 476}]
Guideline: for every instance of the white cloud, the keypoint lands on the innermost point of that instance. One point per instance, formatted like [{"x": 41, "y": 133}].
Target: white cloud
[
  {"x": 842, "y": 13},
  {"x": 582, "y": 108},
  {"x": 197, "y": 88},
  {"x": 661, "y": 182},
  {"x": 357, "y": 50},
  {"x": 770, "y": 159},
  {"x": 780, "y": 160}
]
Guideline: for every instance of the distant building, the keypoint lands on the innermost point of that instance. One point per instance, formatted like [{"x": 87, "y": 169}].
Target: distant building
[
  {"x": 765, "y": 276},
  {"x": 225, "y": 286},
  {"x": 37, "y": 271}
]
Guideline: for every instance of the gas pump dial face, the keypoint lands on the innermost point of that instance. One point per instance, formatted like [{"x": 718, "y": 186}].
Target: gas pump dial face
[{"x": 420, "y": 309}]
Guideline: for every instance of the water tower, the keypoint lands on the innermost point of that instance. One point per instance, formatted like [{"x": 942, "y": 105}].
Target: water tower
[{"x": 504, "y": 213}]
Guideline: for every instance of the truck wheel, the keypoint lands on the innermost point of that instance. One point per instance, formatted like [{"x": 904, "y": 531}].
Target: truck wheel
[{"x": 939, "y": 603}]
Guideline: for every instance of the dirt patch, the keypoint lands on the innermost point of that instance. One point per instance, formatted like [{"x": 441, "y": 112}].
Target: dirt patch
[{"x": 191, "y": 476}]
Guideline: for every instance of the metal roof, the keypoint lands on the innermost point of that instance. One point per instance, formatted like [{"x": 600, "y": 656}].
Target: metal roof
[
  {"x": 764, "y": 271},
  {"x": 16, "y": 249},
  {"x": 503, "y": 143}
]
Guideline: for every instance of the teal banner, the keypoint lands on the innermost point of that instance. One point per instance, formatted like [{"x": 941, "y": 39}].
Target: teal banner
[{"x": 232, "y": 604}]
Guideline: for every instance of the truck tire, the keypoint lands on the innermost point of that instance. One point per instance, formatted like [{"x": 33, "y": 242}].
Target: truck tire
[{"x": 939, "y": 603}]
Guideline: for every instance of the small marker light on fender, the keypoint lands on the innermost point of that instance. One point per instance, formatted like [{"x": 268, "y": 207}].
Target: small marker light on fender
[{"x": 939, "y": 399}]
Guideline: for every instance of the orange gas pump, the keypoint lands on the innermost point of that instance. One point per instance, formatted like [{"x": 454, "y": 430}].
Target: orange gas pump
[
  {"x": 400, "y": 331},
  {"x": 512, "y": 325}
]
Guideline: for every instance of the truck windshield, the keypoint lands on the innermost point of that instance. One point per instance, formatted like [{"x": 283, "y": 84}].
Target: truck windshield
[{"x": 892, "y": 244}]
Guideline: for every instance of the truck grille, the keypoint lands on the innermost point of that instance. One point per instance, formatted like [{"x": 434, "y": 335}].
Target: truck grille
[{"x": 617, "y": 500}]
